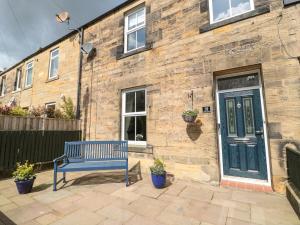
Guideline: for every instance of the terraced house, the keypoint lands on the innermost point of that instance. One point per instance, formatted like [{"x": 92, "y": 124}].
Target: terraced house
[
  {"x": 42, "y": 78},
  {"x": 236, "y": 61}
]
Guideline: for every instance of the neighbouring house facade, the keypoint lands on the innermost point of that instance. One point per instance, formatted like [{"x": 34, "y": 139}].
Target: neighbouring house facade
[
  {"x": 237, "y": 62},
  {"x": 44, "y": 77}
]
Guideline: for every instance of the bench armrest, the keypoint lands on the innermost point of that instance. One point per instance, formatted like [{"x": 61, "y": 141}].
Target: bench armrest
[{"x": 60, "y": 159}]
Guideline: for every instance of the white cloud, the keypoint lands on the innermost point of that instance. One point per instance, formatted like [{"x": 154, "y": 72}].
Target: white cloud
[
  {"x": 239, "y": 9},
  {"x": 6, "y": 60}
]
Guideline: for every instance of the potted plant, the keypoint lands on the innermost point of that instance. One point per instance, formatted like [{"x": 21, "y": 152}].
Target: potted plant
[
  {"x": 158, "y": 174},
  {"x": 190, "y": 116},
  {"x": 24, "y": 177}
]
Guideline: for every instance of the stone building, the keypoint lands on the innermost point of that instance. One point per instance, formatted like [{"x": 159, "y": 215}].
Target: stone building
[
  {"x": 237, "y": 62},
  {"x": 44, "y": 77}
]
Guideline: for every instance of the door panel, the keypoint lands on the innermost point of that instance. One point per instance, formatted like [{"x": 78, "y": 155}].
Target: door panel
[{"x": 243, "y": 146}]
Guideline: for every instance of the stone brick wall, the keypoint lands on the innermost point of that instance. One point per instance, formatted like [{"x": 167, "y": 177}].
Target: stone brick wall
[
  {"x": 42, "y": 90},
  {"x": 181, "y": 59}
]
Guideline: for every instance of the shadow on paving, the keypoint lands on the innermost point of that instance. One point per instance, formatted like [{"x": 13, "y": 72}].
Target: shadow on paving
[
  {"x": 5, "y": 220},
  {"x": 108, "y": 177},
  {"x": 41, "y": 187}
]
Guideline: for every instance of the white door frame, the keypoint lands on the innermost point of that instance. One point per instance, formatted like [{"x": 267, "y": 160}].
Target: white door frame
[{"x": 242, "y": 179}]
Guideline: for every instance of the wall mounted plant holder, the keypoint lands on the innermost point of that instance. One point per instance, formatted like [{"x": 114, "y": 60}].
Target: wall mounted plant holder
[{"x": 190, "y": 116}]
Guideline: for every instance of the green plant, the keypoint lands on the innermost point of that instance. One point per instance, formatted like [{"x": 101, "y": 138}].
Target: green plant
[
  {"x": 24, "y": 172},
  {"x": 68, "y": 109},
  {"x": 18, "y": 111},
  {"x": 5, "y": 110},
  {"x": 50, "y": 112},
  {"x": 158, "y": 167},
  {"x": 37, "y": 111},
  {"x": 193, "y": 112}
]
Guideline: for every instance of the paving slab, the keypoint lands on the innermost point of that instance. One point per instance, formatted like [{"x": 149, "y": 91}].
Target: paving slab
[
  {"x": 49, "y": 197},
  {"x": 150, "y": 191},
  {"x": 207, "y": 212},
  {"x": 174, "y": 219},
  {"x": 199, "y": 194},
  {"x": 115, "y": 213},
  {"x": 4, "y": 200},
  {"x": 28, "y": 212},
  {"x": 101, "y": 200},
  {"x": 243, "y": 215},
  {"x": 47, "y": 219},
  {"x": 22, "y": 200},
  {"x": 147, "y": 207},
  {"x": 273, "y": 216},
  {"x": 140, "y": 220},
  {"x": 80, "y": 217}
]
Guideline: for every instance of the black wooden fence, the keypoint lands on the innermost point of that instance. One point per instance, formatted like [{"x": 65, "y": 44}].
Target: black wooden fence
[
  {"x": 35, "y": 146},
  {"x": 293, "y": 166},
  {"x": 293, "y": 185}
]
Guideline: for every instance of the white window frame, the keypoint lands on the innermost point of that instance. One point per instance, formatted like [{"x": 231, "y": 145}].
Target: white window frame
[
  {"x": 49, "y": 104},
  {"x": 18, "y": 79},
  {"x": 50, "y": 64},
  {"x": 3, "y": 88},
  {"x": 124, "y": 115},
  {"x": 127, "y": 32},
  {"x": 211, "y": 16},
  {"x": 29, "y": 65}
]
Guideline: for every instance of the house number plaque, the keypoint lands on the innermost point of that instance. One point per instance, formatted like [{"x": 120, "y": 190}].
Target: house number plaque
[{"x": 206, "y": 109}]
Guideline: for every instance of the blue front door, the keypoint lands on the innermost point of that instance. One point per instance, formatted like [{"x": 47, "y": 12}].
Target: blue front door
[{"x": 242, "y": 134}]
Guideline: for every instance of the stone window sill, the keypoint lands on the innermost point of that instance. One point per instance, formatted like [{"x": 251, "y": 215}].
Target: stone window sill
[
  {"x": 28, "y": 87},
  {"x": 16, "y": 91},
  {"x": 253, "y": 13},
  {"x": 137, "y": 51},
  {"x": 148, "y": 149},
  {"x": 52, "y": 79}
]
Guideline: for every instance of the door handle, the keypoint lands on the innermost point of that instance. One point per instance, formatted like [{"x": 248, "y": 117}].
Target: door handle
[{"x": 259, "y": 132}]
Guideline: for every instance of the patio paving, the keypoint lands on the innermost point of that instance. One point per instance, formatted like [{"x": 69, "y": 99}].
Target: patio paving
[{"x": 101, "y": 199}]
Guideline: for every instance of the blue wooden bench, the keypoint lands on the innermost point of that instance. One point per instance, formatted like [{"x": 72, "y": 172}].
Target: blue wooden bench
[{"x": 92, "y": 155}]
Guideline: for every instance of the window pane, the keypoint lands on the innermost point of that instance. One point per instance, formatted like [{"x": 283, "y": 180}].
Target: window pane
[
  {"x": 240, "y": 6},
  {"x": 248, "y": 80},
  {"x": 141, "y": 38},
  {"x": 141, "y": 128},
  {"x": 17, "y": 80},
  {"x": 130, "y": 102},
  {"x": 54, "y": 53},
  {"x": 140, "y": 101},
  {"x": 132, "y": 21},
  {"x": 231, "y": 117},
  {"x": 141, "y": 17},
  {"x": 221, "y": 9},
  {"x": 54, "y": 67},
  {"x": 129, "y": 129},
  {"x": 29, "y": 77},
  {"x": 131, "y": 41},
  {"x": 248, "y": 116}
]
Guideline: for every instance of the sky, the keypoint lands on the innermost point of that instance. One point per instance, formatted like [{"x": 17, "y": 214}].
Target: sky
[{"x": 27, "y": 25}]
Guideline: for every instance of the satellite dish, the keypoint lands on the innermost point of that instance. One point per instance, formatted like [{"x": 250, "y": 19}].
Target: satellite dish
[
  {"x": 63, "y": 17},
  {"x": 87, "y": 48}
]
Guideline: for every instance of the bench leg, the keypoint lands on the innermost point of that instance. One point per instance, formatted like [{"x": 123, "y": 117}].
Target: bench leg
[
  {"x": 54, "y": 180},
  {"x": 126, "y": 174},
  {"x": 64, "y": 177}
]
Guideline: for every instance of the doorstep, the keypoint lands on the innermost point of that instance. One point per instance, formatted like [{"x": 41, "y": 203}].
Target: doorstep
[{"x": 246, "y": 186}]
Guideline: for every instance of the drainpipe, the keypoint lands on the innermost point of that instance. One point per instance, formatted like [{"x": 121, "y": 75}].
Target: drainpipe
[{"x": 79, "y": 74}]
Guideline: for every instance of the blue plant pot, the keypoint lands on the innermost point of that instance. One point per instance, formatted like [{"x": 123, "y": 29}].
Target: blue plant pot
[
  {"x": 25, "y": 186},
  {"x": 159, "y": 181}
]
